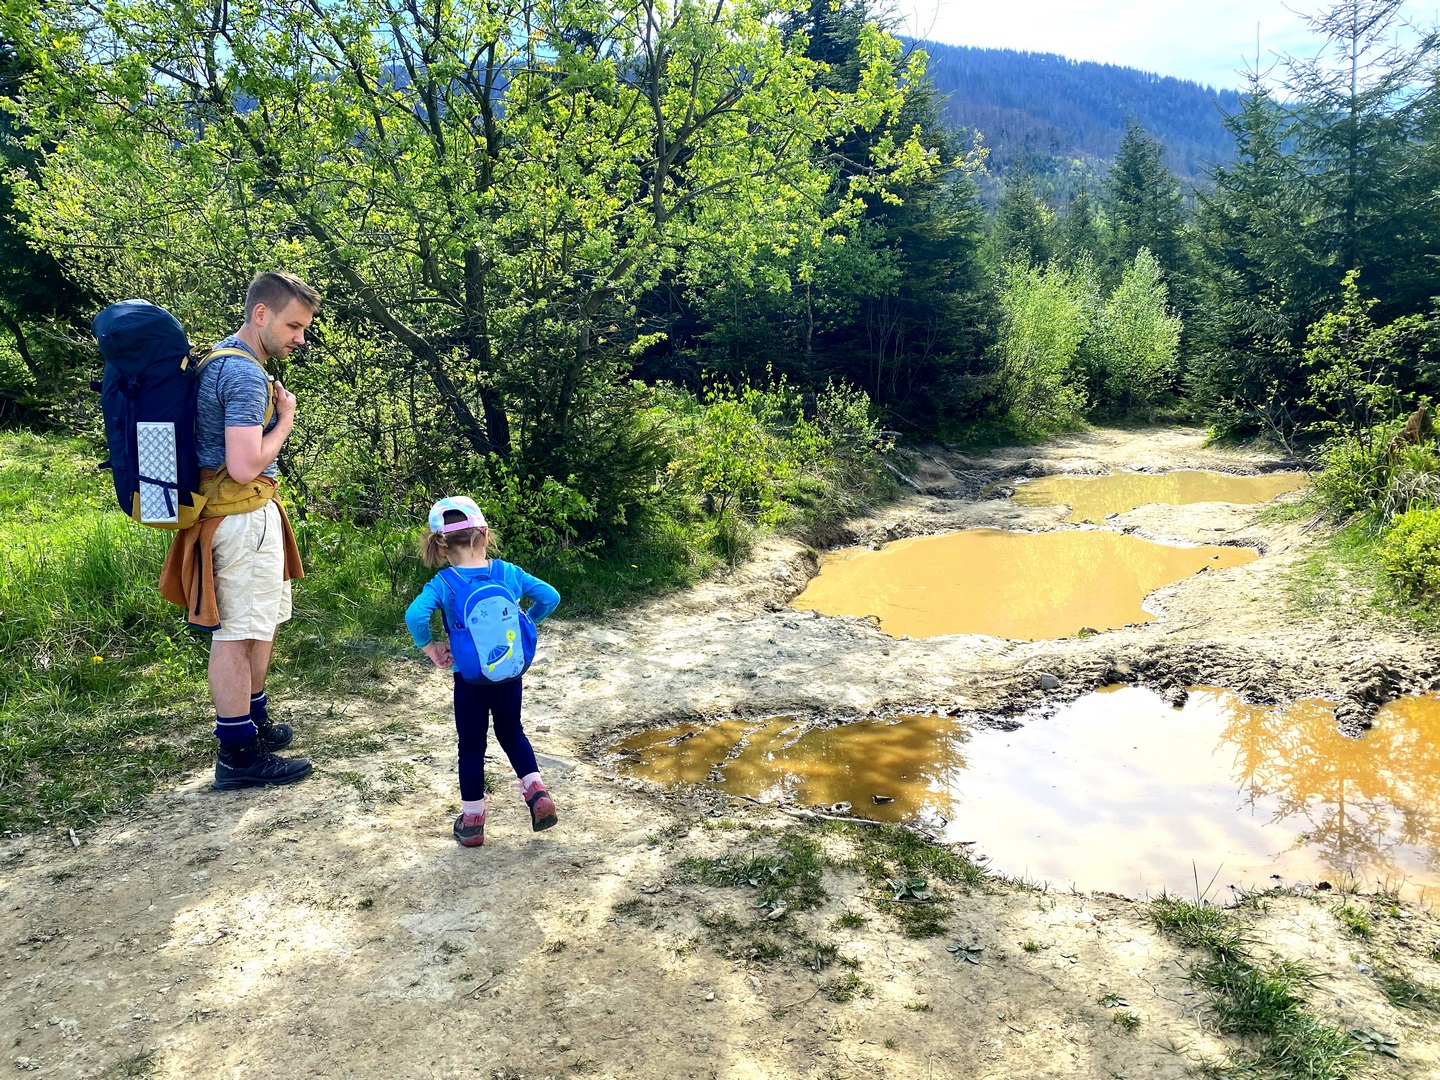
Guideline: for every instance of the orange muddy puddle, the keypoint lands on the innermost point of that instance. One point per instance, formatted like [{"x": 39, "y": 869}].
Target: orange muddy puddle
[
  {"x": 1025, "y": 586},
  {"x": 1117, "y": 791},
  {"x": 1091, "y": 498}
]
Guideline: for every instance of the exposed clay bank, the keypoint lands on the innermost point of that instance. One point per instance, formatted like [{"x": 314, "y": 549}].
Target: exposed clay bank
[
  {"x": 1024, "y": 586},
  {"x": 1093, "y": 498}
]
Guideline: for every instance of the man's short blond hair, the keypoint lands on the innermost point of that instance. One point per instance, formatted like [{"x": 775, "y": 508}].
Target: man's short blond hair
[{"x": 275, "y": 289}]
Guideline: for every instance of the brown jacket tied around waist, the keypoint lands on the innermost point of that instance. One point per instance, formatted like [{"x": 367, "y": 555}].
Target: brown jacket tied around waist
[{"x": 188, "y": 576}]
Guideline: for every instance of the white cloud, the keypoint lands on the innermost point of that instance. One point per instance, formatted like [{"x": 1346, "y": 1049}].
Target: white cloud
[{"x": 1209, "y": 42}]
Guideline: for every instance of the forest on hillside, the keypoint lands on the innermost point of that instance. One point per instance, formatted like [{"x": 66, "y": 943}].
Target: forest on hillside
[{"x": 1064, "y": 119}]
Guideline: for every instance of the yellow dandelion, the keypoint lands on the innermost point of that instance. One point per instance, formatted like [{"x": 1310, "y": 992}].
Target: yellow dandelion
[
  {"x": 633, "y": 566},
  {"x": 96, "y": 659}
]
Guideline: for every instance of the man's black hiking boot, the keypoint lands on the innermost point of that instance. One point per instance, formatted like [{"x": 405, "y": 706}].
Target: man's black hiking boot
[
  {"x": 252, "y": 766},
  {"x": 274, "y": 736}
]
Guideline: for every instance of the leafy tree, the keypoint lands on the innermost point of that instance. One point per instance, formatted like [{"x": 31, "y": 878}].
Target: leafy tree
[
  {"x": 897, "y": 303},
  {"x": 1138, "y": 338},
  {"x": 488, "y": 185},
  {"x": 1355, "y": 365},
  {"x": 39, "y": 304},
  {"x": 1043, "y": 327}
]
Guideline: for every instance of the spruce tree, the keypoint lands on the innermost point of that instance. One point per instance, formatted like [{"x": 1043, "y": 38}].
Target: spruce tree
[{"x": 1144, "y": 207}]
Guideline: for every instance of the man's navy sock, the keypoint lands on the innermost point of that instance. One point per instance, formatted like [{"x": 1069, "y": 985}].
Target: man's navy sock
[
  {"x": 235, "y": 730},
  {"x": 258, "y": 703}
]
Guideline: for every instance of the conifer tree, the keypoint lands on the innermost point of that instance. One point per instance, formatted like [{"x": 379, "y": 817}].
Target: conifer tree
[
  {"x": 1024, "y": 225},
  {"x": 1144, "y": 207}
]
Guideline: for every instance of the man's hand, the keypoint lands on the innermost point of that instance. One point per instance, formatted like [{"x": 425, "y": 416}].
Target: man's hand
[
  {"x": 438, "y": 651},
  {"x": 284, "y": 404}
]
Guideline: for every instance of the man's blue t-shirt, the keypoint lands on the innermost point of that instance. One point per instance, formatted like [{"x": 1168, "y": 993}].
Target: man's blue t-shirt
[{"x": 233, "y": 392}]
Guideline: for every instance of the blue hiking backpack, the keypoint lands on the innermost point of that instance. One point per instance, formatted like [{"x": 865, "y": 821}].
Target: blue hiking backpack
[
  {"x": 491, "y": 639},
  {"x": 148, "y": 398}
]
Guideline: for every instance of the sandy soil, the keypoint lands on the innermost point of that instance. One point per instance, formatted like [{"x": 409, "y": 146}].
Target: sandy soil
[{"x": 335, "y": 929}]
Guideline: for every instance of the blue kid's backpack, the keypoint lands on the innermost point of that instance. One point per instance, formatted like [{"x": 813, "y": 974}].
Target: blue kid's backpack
[
  {"x": 491, "y": 639},
  {"x": 148, "y": 398}
]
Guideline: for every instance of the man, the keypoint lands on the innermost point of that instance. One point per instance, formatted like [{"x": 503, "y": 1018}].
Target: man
[{"x": 239, "y": 430}]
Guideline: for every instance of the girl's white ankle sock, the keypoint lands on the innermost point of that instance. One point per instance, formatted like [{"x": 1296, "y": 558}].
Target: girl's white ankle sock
[
  {"x": 529, "y": 782},
  {"x": 473, "y": 807}
]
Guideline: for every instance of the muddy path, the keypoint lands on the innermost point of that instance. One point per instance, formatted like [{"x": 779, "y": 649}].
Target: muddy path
[{"x": 334, "y": 929}]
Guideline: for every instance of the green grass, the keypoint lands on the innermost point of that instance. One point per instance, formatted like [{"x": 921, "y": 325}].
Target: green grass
[
  {"x": 889, "y": 853},
  {"x": 1356, "y": 921},
  {"x": 1263, "y": 1003},
  {"x": 791, "y": 873},
  {"x": 1404, "y": 991}
]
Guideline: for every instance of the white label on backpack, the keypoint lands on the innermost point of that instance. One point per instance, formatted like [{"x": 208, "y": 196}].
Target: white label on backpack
[{"x": 159, "y": 472}]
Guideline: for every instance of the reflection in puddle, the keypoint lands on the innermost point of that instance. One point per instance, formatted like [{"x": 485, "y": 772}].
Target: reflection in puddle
[
  {"x": 1025, "y": 586},
  {"x": 1117, "y": 791},
  {"x": 1091, "y": 498}
]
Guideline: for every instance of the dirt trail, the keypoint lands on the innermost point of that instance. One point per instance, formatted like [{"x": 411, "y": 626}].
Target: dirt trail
[{"x": 334, "y": 929}]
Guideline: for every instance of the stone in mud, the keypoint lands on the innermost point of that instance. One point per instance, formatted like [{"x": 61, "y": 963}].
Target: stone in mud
[
  {"x": 1048, "y": 681},
  {"x": 1354, "y": 716},
  {"x": 1175, "y": 696}
]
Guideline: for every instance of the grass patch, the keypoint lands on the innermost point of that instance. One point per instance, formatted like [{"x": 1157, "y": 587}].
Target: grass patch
[
  {"x": 1404, "y": 991},
  {"x": 1356, "y": 921},
  {"x": 902, "y": 870},
  {"x": 847, "y": 988},
  {"x": 1344, "y": 573},
  {"x": 791, "y": 874},
  {"x": 1264, "y": 1004}
]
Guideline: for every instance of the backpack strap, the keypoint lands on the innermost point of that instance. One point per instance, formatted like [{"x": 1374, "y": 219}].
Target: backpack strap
[{"x": 200, "y": 358}]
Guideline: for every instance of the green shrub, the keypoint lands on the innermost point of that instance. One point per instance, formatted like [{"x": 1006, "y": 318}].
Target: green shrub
[
  {"x": 751, "y": 457},
  {"x": 1045, "y": 322},
  {"x": 1136, "y": 340},
  {"x": 1410, "y": 552},
  {"x": 1360, "y": 476}
]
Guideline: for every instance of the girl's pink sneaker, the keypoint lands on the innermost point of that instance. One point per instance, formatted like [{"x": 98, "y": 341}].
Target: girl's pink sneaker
[
  {"x": 470, "y": 830},
  {"x": 542, "y": 808}
]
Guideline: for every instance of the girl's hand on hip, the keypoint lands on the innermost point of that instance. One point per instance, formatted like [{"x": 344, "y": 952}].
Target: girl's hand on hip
[{"x": 439, "y": 653}]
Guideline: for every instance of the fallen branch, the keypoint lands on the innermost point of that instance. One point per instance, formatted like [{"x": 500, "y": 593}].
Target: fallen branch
[
  {"x": 797, "y": 1004},
  {"x": 901, "y": 475},
  {"x": 493, "y": 976}
]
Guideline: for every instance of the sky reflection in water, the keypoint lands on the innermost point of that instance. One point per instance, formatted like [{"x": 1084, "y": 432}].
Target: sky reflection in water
[{"x": 1117, "y": 791}]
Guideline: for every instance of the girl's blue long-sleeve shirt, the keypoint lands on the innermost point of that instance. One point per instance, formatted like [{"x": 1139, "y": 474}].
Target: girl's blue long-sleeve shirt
[{"x": 542, "y": 596}]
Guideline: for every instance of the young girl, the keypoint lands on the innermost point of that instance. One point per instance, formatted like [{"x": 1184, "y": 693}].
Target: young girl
[{"x": 458, "y": 538}]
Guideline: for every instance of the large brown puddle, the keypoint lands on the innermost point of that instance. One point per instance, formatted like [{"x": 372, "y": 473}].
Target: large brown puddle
[
  {"x": 1091, "y": 498},
  {"x": 1025, "y": 586},
  {"x": 1117, "y": 791}
]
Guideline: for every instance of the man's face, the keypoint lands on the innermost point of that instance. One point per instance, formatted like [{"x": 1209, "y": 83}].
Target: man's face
[{"x": 283, "y": 331}]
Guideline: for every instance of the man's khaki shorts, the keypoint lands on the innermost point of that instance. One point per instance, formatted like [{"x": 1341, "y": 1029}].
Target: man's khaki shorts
[{"x": 250, "y": 586}]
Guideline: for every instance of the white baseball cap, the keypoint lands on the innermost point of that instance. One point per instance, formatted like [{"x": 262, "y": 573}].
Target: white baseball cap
[{"x": 474, "y": 519}]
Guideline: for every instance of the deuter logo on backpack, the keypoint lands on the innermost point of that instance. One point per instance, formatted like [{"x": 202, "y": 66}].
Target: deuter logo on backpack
[{"x": 491, "y": 638}]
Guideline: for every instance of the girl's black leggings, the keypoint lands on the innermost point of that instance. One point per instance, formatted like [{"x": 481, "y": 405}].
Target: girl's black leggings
[{"x": 475, "y": 704}]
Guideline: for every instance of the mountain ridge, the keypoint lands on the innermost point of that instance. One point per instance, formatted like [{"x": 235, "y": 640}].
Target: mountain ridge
[{"x": 1064, "y": 119}]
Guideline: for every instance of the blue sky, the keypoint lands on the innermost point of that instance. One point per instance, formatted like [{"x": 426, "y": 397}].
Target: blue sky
[{"x": 1204, "y": 40}]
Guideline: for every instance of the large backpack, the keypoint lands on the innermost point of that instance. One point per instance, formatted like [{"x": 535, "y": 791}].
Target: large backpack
[
  {"x": 491, "y": 639},
  {"x": 148, "y": 398}
]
